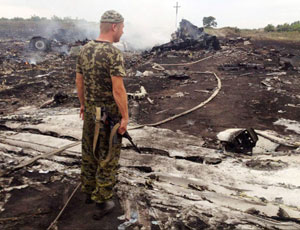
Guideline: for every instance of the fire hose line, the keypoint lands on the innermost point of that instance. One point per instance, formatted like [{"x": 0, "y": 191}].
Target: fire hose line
[
  {"x": 62, "y": 210},
  {"x": 186, "y": 63}
]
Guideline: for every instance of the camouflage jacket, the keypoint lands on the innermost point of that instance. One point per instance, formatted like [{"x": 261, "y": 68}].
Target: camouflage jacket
[{"x": 98, "y": 61}]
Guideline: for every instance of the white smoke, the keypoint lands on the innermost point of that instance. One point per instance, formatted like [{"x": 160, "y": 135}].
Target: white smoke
[{"x": 145, "y": 36}]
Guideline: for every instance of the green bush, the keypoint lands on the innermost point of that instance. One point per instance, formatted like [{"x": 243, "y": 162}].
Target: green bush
[
  {"x": 237, "y": 30},
  {"x": 295, "y": 26},
  {"x": 283, "y": 28},
  {"x": 286, "y": 27},
  {"x": 56, "y": 18},
  {"x": 269, "y": 28},
  {"x": 17, "y": 19},
  {"x": 209, "y": 22}
]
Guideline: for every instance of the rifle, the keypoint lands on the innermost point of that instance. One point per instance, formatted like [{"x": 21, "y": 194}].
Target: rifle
[{"x": 126, "y": 135}]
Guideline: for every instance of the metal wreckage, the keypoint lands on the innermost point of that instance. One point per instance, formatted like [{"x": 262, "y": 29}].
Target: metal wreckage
[{"x": 195, "y": 169}]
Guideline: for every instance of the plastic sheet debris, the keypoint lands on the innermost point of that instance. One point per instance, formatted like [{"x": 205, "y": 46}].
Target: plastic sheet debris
[{"x": 133, "y": 220}]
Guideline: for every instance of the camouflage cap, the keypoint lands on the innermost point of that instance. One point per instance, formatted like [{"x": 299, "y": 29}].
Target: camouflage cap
[{"x": 111, "y": 16}]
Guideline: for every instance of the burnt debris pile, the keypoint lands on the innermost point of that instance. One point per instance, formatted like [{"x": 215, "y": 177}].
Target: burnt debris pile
[{"x": 189, "y": 37}]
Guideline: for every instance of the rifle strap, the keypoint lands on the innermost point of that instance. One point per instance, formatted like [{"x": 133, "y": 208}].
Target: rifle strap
[
  {"x": 113, "y": 132},
  {"x": 97, "y": 129}
]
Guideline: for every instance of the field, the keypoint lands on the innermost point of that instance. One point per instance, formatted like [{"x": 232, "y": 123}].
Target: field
[{"x": 256, "y": 34}]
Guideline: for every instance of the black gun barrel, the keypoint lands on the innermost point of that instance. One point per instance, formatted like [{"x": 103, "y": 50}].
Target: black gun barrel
[{"x": 127, "y": 136}]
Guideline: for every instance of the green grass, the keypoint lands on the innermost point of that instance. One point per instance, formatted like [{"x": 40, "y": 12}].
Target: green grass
[{"x": 293, "y": 36}]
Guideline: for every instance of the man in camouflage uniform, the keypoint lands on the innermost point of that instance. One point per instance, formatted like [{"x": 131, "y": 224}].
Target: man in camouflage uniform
[{"x": 99, "y": 80}]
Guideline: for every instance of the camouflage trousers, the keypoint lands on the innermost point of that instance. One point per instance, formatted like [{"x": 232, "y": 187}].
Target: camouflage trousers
[{"x": 98, "y": 179}]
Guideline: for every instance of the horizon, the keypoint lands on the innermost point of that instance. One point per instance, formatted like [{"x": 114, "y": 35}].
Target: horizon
[
  {"x": 148, "y": 23},
  {"x": 233, "y": 13},
  {"x": 83, "y": 19}
]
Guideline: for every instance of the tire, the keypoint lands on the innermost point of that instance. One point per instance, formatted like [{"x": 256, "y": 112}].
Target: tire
[{"x": 39, "y": 44}]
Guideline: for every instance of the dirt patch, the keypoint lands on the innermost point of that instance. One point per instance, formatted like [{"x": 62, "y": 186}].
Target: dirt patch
[{"x": 35, "y": 207}]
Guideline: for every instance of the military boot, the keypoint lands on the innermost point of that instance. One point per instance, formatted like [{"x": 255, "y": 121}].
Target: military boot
[{"x": 103, "y": 209}]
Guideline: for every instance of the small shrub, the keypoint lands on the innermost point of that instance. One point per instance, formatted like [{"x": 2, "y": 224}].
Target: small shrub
[{"x": 270, "y": 28}]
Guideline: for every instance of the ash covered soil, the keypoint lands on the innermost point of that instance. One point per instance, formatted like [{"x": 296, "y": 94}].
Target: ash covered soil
[{"x": 260, "y": 85}]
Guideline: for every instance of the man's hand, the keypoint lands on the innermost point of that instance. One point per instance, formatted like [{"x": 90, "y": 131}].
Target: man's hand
[
  {"x": 123, "y": 126},
  {"x": 81, "y": 115}
]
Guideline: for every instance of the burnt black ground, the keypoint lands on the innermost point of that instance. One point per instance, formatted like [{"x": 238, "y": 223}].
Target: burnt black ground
[
  {"x": 78, "y": 215},
  {"x": 36, "y": 208}
]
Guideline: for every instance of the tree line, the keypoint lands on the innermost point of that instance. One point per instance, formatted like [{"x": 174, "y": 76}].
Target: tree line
[
  {"x": 208, "y": 22},
  {"x": 35, "y": 18},
  {"x": 295, "y": 26}
]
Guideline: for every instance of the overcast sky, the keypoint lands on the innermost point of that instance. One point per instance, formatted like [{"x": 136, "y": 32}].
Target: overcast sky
[{"x": 158, "y": 16}]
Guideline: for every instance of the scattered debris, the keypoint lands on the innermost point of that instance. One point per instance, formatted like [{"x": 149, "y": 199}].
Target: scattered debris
[
  {"x": 150, "y": 101},
  {"x": 138, "y": 95},
  {"x": 177, "y": 75},
  {"x": 148, "y": 73},
  {"x": 266, "y": 164},
  {"x": 276, "y": 74},
  {"x": 241, "y": 141},
  {"x": 138, "y": 74},
  {"x": 293, "y": 63},
  {"x": 267, "y": 141},
  {"x": 289, "y": 124},
  {"x": 240, "y": 66}
]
